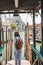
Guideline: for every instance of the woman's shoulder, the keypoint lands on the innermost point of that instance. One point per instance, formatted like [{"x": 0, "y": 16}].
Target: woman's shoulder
[{"x": 17, "y": 37}]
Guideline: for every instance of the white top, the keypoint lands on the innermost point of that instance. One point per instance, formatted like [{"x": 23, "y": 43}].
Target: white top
[{"x": 15, "y": 42}]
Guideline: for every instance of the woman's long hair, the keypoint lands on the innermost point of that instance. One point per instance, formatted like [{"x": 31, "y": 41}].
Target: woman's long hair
[{"x": 16, "y": 34}]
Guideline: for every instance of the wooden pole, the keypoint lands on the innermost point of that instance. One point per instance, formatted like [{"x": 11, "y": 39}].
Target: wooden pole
[
  {"x": 42, "y": 25},
  {"x": 2, "y": 36},
  {"x": 27, "y": 44},
  {"x": 33, "y": 54},
  {"x": 6, "y": 44},
  {"x": 34, "y": 27},
  {"x": 10, "y": 45}
]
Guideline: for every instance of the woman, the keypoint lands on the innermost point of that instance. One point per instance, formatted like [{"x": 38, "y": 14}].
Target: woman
[{"x": 17, "y": 53}]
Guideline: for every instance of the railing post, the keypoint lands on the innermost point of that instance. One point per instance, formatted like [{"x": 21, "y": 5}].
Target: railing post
[
  {"x": 42, "y": 24},
  {"x": 34, "y": 28},
  {"x": 0, "y": 41},
  {"x": 27, "y": 44},
  {"x": 33, "y": 54},
  {"x": 6, "y": 44},
  {"x": 0, "y": 37}
]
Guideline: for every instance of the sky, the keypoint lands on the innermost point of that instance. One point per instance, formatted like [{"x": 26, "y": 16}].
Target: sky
[
  {"x": 25, "y": 18},
  {"x": 29, "y": 18}
]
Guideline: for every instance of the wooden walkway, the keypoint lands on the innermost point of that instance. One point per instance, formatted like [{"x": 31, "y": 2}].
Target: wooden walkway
[{"x": 23, "y": 62}]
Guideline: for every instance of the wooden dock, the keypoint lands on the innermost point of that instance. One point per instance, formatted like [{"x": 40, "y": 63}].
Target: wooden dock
[{"x": 23, "y": 62}]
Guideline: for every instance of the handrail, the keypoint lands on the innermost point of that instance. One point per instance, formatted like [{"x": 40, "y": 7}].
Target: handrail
[
  {"x": 35, "y": 61},
  {"x": 38, "y": 41},
  {"x": 5, "y": 41},
  {"x": 37, "y": 52},
  {"x": 1, "y": 48}
]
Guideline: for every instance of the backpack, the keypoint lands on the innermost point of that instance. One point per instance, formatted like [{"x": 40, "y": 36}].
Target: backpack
[{"x": 18, "y": 44}]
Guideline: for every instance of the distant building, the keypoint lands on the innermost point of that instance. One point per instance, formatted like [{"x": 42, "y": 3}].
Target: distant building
[
  {"x": 37, "y": 31},
  {"x": 20, "y": 25}
]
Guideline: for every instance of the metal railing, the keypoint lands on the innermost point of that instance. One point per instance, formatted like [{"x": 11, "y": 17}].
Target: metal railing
[{"x": 39, "y": 57}]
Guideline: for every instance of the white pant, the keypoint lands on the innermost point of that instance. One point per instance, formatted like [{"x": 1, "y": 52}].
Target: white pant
[{"x": 17, "y": 54}]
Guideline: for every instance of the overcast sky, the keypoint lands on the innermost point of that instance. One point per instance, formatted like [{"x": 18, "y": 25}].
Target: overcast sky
[
  {"x": 29, "y": 18},
  {"x": 25, "y": 18}
]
